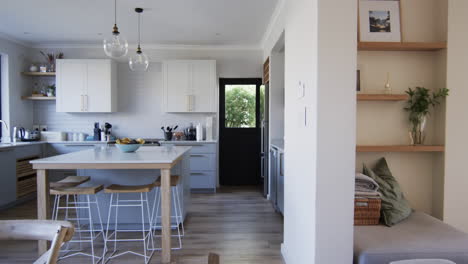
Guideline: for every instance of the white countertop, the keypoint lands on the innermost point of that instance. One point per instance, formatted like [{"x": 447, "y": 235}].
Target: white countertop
[
  {"x": 193, "y": 142},
  {"x": 111, "y": 154}
]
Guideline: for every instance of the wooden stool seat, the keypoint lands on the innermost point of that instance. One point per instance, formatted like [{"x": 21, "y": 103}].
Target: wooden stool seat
[
  {"x": 117, "y": 188},
  {"x": 70, "y": 181},
  {"x": 77, "y": 190},
  {"x": 174, "y": 181}
]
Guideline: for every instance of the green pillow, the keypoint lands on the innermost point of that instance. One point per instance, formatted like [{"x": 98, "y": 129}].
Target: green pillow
[{"x": 395, "y": 208}]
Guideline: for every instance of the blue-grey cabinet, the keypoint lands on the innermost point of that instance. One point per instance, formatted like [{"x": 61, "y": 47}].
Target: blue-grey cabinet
[
  {"x": 277, "y": 178},
  {"x": 8, "y": 176},
  {"x": 203, "y": 165}
]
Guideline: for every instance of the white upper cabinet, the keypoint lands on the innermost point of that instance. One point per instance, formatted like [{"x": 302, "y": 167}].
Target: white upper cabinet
[
  {"x": 86, "y": 86},
  {"x": 190, "y": 86}
]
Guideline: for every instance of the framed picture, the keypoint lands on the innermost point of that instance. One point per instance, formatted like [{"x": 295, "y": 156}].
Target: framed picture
[{"x": 379, "y": 21}]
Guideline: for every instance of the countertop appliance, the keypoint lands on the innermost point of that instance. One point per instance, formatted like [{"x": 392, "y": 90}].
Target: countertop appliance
[
  {"x": 27, "y": 135},
  {"x": 190, "y": 133}
]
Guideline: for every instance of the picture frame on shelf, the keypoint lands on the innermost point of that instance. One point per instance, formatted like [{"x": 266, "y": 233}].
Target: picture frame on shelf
[{"x": 379, "y": 21}]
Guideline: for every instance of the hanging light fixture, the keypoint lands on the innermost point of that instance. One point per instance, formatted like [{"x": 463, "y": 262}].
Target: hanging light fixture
[
  {"x": 116, "y": 46},
  {"x": 139, "y": 61}
]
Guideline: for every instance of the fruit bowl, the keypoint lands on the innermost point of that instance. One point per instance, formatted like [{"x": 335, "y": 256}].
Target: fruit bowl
[{"x": 128, "y": 147}]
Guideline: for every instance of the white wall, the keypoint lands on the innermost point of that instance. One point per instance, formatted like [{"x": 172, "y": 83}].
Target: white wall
[
  {"x": 319, "y": 155},
  {"x": 140, "y": 94},
  {"x": 336, "y": 139},
  {"x": 456, "y": 180},
  {"x": 14, "y": 57}
]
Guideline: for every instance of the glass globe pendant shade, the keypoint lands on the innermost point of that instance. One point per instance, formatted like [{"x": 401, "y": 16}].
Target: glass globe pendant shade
[
  {"x": 138, "y": 62},
  {"x": 116, "y": 46}
]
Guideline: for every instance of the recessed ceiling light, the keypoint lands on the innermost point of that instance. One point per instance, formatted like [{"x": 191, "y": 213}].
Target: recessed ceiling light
[
  {"x": 218, "y": 34},
  {"x": 99, "y": 34},
  {"x": 27, "y": 33}
]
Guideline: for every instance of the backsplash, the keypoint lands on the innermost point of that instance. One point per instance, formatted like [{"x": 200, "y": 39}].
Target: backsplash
[{"x": 139, "y": 108}]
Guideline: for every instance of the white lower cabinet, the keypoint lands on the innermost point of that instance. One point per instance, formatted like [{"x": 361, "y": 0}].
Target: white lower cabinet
[{"x": 203, "y": 165}]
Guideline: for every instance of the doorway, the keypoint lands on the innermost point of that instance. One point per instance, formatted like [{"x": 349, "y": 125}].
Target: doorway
[{"x": 240, "y": 137}]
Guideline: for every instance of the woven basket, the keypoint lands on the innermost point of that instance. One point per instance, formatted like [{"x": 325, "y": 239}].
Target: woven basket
[{"x": 367, "y": 211}]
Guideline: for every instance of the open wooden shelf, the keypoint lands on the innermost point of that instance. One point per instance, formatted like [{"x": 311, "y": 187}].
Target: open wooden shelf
[
  {"x": 39, "y": 73},
  {"x": 39, "y": 98},
  {"x": 402, "y": 46},
  {"x": 400, "y": 148},
  {"x": 382, "y": 97}
]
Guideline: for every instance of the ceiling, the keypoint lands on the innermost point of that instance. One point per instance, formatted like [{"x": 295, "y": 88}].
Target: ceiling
[{"x": 168, "y": 22}]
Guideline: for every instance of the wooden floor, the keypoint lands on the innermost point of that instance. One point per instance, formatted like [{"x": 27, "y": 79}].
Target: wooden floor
[{"x": 236, "y": 223}]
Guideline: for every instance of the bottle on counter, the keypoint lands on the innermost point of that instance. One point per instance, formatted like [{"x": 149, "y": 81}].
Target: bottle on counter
[{"x": 199, "y": 132}]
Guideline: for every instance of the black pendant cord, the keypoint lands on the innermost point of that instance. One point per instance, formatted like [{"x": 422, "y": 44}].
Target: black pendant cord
[
  {"x": 115, "y": 30},
  {"x": 139, "y": 11}
]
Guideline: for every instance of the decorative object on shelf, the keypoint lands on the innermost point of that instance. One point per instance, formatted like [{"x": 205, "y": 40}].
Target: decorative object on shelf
[
  {"x": 33, "y": 68},
  {"x": 51, "y": 90},
  {"x": 358, "y": 80},
  {"x": 43, "y": 68},
  {"x": 139, "y": 61},
  {"x": 419, "y": 101},
  {"x": 116, "y": 46},
  {"x": 50, "y": 58},
  {"x": 379, "y": 21},
  {"x": 387, "y": 88}
]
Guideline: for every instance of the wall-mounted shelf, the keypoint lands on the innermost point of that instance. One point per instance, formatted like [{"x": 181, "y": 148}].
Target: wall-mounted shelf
[
  {"x": 39, "y": 73},
  {"x": 401, "y": 46},
  {"x": 382, "y": 97},
  {"x": 400, "y": 148},
  {"x": 39, "y": 98}
]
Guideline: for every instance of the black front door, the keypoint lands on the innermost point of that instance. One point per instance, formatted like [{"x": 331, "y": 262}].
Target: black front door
[{"x": 240, "y": 140}]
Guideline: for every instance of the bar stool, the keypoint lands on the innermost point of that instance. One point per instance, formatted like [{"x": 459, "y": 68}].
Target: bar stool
[
  {"x": 69, "y": 181},
  {"x": 80, "y": 228},
  {"x": 177, "y": 209},
  {"x": 141, "y": 203}
]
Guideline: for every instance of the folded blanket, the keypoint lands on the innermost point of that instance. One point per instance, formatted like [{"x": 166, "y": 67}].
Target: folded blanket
[
  {"x": 365, "y": 183},
  {"x": 369, "y": 195}
]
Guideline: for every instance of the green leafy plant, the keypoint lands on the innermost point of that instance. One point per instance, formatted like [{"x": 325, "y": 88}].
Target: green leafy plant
[
  {"x": 420, "y": 100},
  {"x": 240, "y": 107}
]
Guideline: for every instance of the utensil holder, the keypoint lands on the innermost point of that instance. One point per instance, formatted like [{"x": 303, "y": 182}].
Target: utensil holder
[{"x": 168, "y": 136}]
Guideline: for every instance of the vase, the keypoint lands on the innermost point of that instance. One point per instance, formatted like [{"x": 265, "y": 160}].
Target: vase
[
  {"x": 51, "y": 67},
  {"x": 417, "y": 130}
]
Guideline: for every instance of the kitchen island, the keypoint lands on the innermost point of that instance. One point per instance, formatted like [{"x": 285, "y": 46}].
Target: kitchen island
[{"x": 110, "y": 158}]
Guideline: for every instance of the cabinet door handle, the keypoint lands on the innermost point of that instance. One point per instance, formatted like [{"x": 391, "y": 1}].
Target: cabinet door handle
[
  {"x": 82, "y": 103},
  {"x": 86, "y": 103},
  {"x": 196, "y": 155},
  {"x": 197, "y": 173}
]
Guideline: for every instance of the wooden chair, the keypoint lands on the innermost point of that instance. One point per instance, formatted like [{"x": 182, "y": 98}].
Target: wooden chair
[{"x": 56, "y": 231}]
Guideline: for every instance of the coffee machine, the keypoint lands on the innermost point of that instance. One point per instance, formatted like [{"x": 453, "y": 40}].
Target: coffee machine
[{"x": 190, "y": 133}]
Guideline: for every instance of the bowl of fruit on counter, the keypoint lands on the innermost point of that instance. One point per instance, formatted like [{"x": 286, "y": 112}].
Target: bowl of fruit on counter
[{"x": 129, "y": 145}]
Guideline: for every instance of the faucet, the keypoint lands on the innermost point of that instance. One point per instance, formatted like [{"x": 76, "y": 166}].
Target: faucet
[{"x": 6, "y": 127}]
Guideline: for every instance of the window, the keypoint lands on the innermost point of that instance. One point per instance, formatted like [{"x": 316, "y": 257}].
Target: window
[{"x": 240, "y": 103}]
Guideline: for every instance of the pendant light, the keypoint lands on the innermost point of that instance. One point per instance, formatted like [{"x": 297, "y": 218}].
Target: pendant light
[
  {"x": 139, "y": 61},
  {"x": 116, "y": 46}
]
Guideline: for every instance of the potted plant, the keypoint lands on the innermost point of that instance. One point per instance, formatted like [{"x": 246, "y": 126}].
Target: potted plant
[
  {"x": 51, "y": 90},
  {"x": 418, "y": 104},
  {"x": 50, "y": 58}
]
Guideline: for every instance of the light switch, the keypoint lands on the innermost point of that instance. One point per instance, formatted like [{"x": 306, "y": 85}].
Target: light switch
[{"x": 300, "y": 90}]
